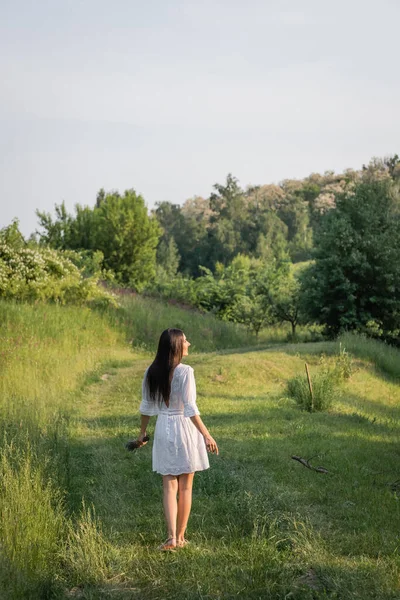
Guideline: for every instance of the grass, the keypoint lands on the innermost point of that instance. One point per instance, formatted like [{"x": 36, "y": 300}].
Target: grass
[
  {"x": 143, "y": 318},
  {"x": 48, "y": 354},
  {"x": 386, "y": 358},
  {"x": 319, "y": 392},
  {"x": 325, "y": 387},
  {"x": 81, "y": 517},
  {"x": 262, "y": 526}
]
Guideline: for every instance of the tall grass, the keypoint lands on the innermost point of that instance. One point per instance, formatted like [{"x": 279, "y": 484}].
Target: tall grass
[
  {"x": 384, "y": 357},
  {"x": 145, "y": 318},
  {"x": 46, "y": 352},
  {"x": 88, "y": 555},
  {"x": 324, "y": 386},
  {"x": 32, "y": 526},
  {"x": 282, "y": 333}
]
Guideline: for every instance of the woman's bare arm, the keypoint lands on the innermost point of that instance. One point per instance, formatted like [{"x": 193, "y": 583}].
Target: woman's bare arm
[
  {"x": 209, "y": 440},
  {"x": 144, "y": 421}
]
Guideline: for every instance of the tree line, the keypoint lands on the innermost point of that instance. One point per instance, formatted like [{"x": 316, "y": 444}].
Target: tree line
[{"x": 324, "y": 249}]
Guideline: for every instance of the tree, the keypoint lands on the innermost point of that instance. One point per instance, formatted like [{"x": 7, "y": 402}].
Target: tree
[
  {"x": 239, "y": 292},
  {"x": 12, "y": 236},
  {"x": 355, "y": 280},
  {"x": 168, "y": 257},
  {"x": 227, "y": 200},
  {"x": 55, "y": 233},
  {"x": 393, "y": 165},
  {"x": 253, "y": 311},
  {"x": 285, "y": 298},
  {"x": 127, "y": 237},
  {"x": 188, "y": 226},
  {"x": 218, "y": 292},
  {"x": 118, "y": 226},
  {"x": 294, "y": 211},
  {"x": 226, "y": 236}
]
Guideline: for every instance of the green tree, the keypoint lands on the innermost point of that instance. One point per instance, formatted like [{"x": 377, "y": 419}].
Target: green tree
[
  {"x": 188, "y": 226},
  {"x": 226, "y": 236},
  {"x": 12, "y": 236},
  {"x": 118, "y": 226},
  {"x": 254, "y": 311},
  {"x": 239, "y": 292},
  {"x": 168, "y": 257},
  {"x": 55, "y": 233},
  {"x": 355, "y": 280},
  {"x": 218, "y": 292},
  {"x": 285, "y": 297},
  {"x": 127, "y": 237}
]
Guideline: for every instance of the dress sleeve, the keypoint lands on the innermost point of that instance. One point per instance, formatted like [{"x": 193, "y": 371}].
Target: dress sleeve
[
  {"x": 147, "y": 406},
  {"x": 189, "y": 394}
]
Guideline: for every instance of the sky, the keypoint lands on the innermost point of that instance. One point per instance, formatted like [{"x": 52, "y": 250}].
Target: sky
[{"x": 168, "y": 97}]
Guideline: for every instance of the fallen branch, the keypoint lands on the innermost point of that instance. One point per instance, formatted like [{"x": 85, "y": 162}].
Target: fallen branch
[{"x": 306, "y": 463}]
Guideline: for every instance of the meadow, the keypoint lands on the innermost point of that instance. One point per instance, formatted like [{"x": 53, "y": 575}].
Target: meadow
[
  {"x": 142, "y": 318},
  {"x": 81, "y": 517}
]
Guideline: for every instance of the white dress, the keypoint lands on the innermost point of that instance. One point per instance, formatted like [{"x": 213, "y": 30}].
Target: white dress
[{"x": 178, "y": 445}]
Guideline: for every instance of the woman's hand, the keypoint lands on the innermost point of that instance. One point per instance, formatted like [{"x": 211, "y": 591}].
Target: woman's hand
[
  {"x": 141, "y": 436},
  {"x": 211, "y": 444}
]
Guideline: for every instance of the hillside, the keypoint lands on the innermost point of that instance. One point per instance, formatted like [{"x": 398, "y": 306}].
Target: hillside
[{"x": 262, "y": 525}]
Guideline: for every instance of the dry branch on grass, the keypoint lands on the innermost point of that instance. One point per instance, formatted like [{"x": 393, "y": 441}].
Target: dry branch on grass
[{"x": 306, "y": 463}]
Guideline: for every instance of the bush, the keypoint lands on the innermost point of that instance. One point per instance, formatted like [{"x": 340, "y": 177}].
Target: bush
[
  {"x": 31, "y": 274},
  {"x": 177, "y": 287},
  {"x": 326, "y": 384},
  {"x": 324, "y": 387},
  {"x": 344, "y": 364}
]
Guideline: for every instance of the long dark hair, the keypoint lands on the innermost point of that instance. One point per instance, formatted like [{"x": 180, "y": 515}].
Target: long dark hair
[{"x": 169, "y": 355}]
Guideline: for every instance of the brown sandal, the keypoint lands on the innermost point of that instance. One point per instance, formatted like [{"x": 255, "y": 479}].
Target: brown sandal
[
  {"x": 182, "y": 544},
  {"x": 168, "y": 546}
]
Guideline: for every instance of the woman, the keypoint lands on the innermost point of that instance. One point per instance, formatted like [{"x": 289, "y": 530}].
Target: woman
[{"x": 181, "y": 439}]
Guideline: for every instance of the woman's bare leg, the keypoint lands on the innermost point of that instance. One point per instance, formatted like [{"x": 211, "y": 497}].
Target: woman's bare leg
[
  {"x": 170, "y": 487},
  {"x": 185, "y": 484}
]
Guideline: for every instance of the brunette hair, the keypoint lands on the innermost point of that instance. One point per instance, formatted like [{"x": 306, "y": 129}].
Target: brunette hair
[{"x": 169, "y": 355}]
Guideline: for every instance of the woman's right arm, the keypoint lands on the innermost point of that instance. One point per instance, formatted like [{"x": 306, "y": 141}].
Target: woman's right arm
[
  {"x": 211, "y": 444},
  {"x": 191, "y": 410}
]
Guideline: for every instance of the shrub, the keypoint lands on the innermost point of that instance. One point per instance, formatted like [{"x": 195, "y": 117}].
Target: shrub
[
  {"x": 344, "y": 364},
  {"x": 324, "y": 387},
  {"x": 29, "y": 274},
  {"x": 326, "y": 384}
]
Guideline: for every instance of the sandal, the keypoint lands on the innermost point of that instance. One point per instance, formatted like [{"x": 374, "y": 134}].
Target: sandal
[
  {"x": 168, "y": 546},
  {"x": 182, "y": 544}
]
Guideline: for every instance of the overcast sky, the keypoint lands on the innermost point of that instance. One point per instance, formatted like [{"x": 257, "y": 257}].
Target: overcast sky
[{"x": 169, "y": 96}]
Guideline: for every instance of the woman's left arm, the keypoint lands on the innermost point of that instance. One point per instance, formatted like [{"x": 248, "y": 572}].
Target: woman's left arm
[{"x": 147, "y": 408}]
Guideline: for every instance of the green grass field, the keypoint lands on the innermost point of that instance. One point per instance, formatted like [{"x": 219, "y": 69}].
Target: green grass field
[{"x": 81, "y": 517}]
